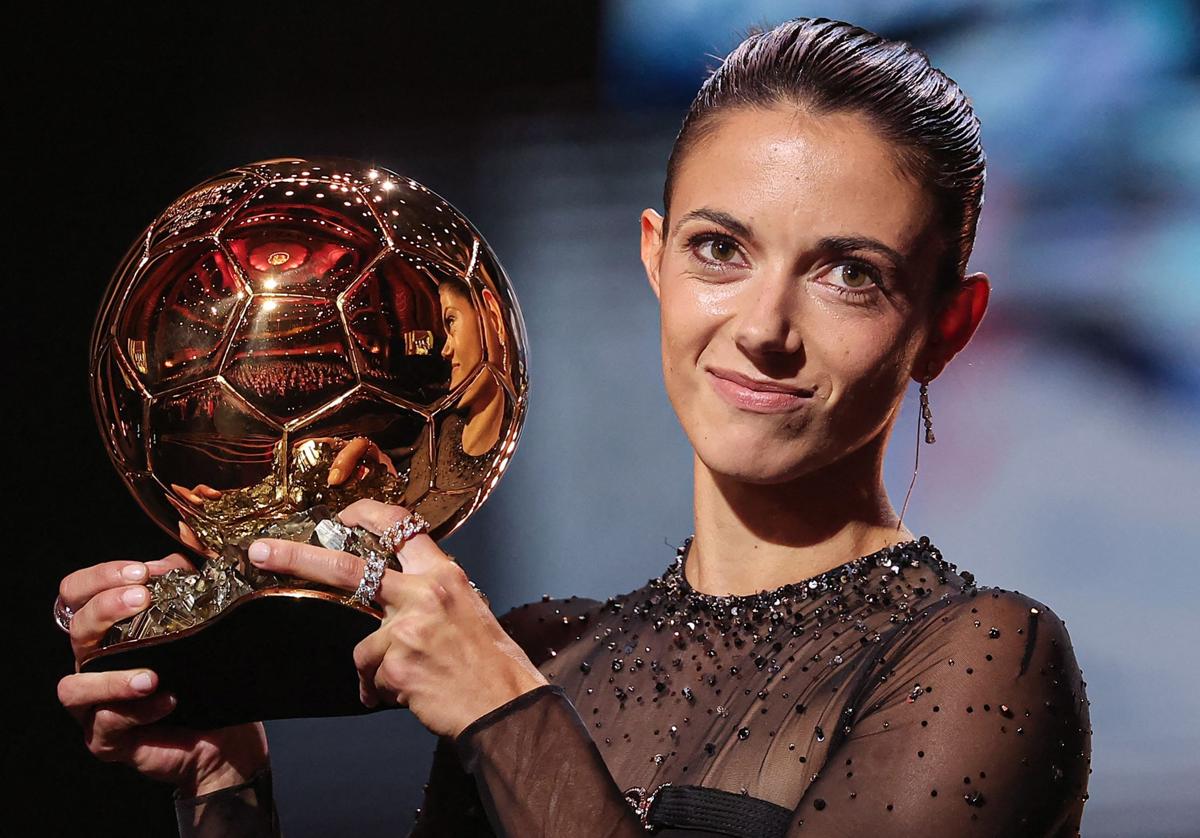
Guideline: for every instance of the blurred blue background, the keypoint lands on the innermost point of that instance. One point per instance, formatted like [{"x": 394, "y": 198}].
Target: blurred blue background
[
  {"x": 1067, "y": 447},
  {"x": 1067, "y": 432}
]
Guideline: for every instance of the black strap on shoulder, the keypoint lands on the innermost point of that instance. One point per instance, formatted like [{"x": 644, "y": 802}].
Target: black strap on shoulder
[{"x": 717, "y": 810}]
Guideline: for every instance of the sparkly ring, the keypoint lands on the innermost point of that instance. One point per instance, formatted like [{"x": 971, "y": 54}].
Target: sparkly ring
[
  {"x": 368, "y": 586},
  {"x": 62, "y": 614},
  {"x": 393, "y": 538}
]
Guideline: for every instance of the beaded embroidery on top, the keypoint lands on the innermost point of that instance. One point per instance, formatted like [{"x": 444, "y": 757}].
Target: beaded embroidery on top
[{"x": 673, "y": 587}]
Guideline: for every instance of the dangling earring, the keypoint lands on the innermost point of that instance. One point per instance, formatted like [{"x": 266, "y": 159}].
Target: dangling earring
[
  {"x": 926, "y": 415},
  {"x": 927, "y": 420}
]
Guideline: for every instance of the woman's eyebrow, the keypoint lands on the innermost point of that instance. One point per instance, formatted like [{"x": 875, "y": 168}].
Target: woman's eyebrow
[
  {"x": 724, "y": 219},
  {"x": 845, "y": 244}
]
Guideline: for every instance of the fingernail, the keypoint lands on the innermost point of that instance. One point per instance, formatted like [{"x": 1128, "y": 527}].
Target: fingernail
[
  {"x": 141, "y": 681},
  {"x": 258, "y": 552},
  {"x": 134, "y": 572},
  {"x": 134, "y": 596}
]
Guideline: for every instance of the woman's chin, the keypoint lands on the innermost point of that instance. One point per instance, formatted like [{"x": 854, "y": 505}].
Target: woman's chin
[{"x": 752, "y": 465}]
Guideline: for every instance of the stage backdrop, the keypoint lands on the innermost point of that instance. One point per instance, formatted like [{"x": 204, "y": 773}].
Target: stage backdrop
[{"x": 1067, "y": 453}]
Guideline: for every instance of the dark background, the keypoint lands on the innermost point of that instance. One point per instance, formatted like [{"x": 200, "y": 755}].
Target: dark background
[
  {"x": 120, "y": 109},
  {"x": 1066, "y": 457}
]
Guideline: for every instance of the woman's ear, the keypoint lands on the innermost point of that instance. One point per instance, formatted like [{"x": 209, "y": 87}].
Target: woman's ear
[
  {"x": 493, "y": 329},
  {"x": 492, "y": 308},
  {"x": 652, "y": 245},
  {"x": 953, "y": 326}
]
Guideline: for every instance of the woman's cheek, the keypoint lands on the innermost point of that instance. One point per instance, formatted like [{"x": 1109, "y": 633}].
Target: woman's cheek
[
  {"x": 714, "y": 300},
  {"x": 869, "y": 398}
]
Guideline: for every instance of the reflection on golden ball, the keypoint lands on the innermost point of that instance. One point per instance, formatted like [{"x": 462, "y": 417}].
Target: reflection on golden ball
[{"x": 293, "y": 304}]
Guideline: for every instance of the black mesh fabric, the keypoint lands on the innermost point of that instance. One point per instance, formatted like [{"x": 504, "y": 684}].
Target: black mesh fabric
[{"x": 887, "y": 696}]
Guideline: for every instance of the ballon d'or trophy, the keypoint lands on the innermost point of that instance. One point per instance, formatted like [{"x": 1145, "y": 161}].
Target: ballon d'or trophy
[{"x": 273, "y": 319}]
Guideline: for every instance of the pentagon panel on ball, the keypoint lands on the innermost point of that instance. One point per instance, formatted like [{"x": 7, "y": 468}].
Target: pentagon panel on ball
[{"x": 286, "y": 338}]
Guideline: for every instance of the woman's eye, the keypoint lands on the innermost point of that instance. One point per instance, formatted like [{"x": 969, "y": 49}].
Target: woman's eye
[
  {"x": 722, "y": 250},
  {"x": 714, "y": 250},
  {"x": 854, "y": 277}
]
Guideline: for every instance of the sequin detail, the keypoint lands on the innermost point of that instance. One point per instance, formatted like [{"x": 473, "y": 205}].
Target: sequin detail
[
  {"x": 679, "y": 601},
  {"x": 825, "y": 696}
]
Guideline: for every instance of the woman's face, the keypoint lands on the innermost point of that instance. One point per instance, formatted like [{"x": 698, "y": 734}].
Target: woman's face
[
  {"x": 463, "y": 347},
  {"x": 793, "y": 285}
]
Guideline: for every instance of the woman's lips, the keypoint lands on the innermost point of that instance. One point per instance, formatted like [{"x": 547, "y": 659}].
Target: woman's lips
[{"x": 757, "y": 397}]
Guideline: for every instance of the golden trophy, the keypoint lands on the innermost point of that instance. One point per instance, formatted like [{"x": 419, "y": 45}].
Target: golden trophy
[{"x": 274, "y": 320}]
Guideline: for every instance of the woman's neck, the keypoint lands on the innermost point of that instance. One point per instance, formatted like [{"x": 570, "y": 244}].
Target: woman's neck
[
  {"x": 485, "y": 415},
  {"x": 753, "y": 537}
]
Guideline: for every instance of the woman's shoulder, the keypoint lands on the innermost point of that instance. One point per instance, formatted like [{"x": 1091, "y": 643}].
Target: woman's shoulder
[
  {"x": 977, "y": 690},
  {"x": 1000, "y": 636},
  {"x": 547, "y": 625},
  {"x": 544, "y": 626},
  {"x": 994, "y": 614}
]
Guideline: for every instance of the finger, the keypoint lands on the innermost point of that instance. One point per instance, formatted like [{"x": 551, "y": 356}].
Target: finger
[
  {"x": 98, "y": 614},
  {"x": 79, "y": 587},
  {"x": 367, "y": 695},
  {"x": 106, "y": 726},
  {"x": 418, "y": 555},
  {"x": 159, "y": 567},
  {"x": 384, "y": 689},
  {"x": 80, "y": 692},
  {"x": 317, "y": 564},
  {"x": 383, "y": 459},
  {"x": 206, "y": 491},
  {"x": 347, "y": 459},
  {"x": 187, "y": 494},
  {"x": 421, "y": 554},
  {"x": 112, "y": 719},
  {"x": 372, "y": 515},
  {"x": 368, "y": 655},
  {"x": 369, "y": 652}
]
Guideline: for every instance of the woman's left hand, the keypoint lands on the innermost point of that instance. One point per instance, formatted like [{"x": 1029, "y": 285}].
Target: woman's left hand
[{"x": 440, "y": 650}]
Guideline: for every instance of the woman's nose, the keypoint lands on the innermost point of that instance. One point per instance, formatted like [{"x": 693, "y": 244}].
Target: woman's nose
[{"x": 769, "y": 315}]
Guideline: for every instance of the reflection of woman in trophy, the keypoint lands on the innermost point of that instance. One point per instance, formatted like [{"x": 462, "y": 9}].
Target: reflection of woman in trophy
[
  {"x": 806, "y": 665},
  {"x": 469, "y": 433}
]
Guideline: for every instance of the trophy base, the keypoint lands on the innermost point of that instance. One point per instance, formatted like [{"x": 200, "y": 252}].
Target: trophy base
[{"x": 270, "y": 655}]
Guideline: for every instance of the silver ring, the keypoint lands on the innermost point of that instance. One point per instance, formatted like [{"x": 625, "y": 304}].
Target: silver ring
[
  {"x": 393, "y": 538},
  {"x": 62, "y": 614},
  {"x": 368, "y": 586}
]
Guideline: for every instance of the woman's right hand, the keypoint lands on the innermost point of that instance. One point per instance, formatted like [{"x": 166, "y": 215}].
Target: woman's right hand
[{"x": 120, "y": 711}]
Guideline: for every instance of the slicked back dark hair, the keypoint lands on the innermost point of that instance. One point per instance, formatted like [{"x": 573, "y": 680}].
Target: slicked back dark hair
[{"x": 828, "y": 66}]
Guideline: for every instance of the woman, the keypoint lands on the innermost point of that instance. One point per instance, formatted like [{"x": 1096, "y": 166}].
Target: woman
[
  {"x": 805, "y": 666},
  {"x": 469, "y": 434}
]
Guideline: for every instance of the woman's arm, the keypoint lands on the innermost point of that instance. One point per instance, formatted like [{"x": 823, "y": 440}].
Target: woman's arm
[
  {"x": 245, "y": 810},
  {"x": 539, "y": 772},
  {"x": 975, "y": 722},
  {"x": 528, "y": 767}
]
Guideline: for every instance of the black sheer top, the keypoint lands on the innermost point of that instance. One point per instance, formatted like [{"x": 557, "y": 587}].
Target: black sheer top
[{"x": 887, "y": 696}]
